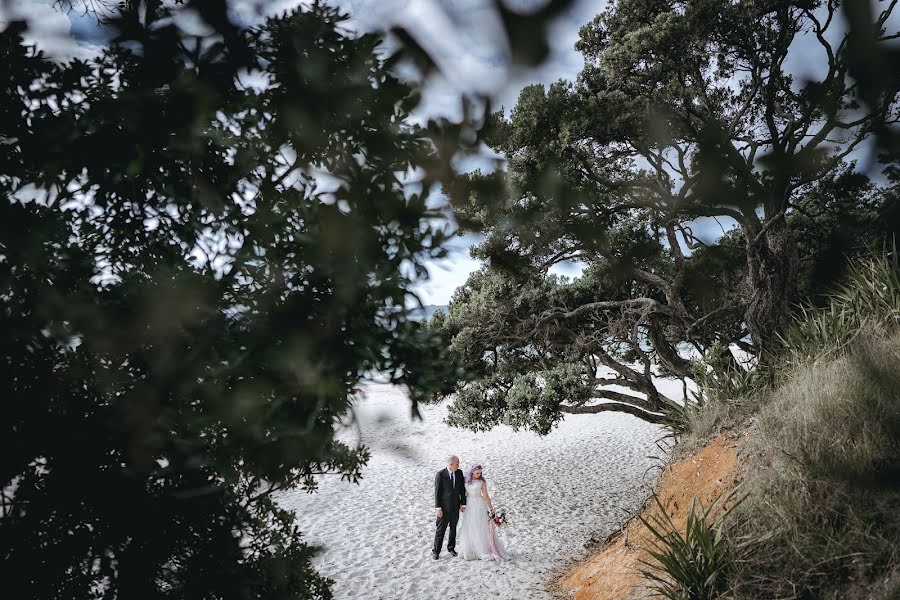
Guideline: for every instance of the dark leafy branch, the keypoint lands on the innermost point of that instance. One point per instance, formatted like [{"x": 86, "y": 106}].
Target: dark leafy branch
[{"x": 185, "y": 313}]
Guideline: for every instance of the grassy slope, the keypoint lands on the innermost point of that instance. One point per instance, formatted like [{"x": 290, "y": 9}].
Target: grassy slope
[
  {"x": 819, "y": 463},
  {"x": 822, "y": 516},
  {"x": 822, "y": 458}
]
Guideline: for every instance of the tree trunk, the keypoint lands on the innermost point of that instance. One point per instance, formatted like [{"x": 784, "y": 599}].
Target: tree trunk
[{"x": 772, "y": 261}]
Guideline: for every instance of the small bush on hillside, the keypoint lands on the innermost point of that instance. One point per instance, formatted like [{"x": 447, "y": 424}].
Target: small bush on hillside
[
  {"x": 691, "y": 565},
  {"x": 868, "y": 302},
  {"x": 727, "y": 393}
]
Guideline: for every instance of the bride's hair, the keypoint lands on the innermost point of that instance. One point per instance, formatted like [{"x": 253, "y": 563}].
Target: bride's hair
[{"x": 471, "y": 471}]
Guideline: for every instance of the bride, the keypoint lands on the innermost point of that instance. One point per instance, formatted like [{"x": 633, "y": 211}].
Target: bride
[{"x": 478, "y": 538}]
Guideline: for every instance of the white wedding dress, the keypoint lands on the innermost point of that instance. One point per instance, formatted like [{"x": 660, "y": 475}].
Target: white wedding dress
[{"x": 477, "y": 535}]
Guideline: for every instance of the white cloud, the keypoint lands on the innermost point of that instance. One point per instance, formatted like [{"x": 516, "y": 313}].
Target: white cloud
[
  {"x": 465, "y": 38},
  {"x": 48, "y": 28},
  {"x": 570, "y": 268},
  {"x": 445, "y": 276},
  {"x": 251, "y": 12}
]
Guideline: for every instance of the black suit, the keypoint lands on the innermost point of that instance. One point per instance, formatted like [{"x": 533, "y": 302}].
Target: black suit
[{"x": 448, "y": 497}]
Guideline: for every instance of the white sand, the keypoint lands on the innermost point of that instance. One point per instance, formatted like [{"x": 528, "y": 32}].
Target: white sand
[{"x": 581, "y": 480}]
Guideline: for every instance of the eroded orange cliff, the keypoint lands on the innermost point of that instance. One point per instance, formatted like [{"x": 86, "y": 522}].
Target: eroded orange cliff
[{"x": 613, "y": 572}]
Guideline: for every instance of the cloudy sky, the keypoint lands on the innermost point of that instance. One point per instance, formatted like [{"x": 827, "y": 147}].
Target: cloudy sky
[{"x": 464, "y": 37}]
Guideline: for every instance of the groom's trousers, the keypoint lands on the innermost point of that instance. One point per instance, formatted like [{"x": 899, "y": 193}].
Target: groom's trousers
[{"x": 450, "y": 518}]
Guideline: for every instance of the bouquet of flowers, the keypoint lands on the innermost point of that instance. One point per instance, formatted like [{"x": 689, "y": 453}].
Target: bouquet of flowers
[{"x": 498, "y": 517}]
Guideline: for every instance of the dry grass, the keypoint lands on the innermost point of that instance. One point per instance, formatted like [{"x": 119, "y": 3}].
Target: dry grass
[{"x": 824, "y": 480}]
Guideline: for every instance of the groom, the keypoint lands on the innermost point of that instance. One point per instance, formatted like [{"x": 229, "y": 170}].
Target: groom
[{"x": 449, "y": 501}]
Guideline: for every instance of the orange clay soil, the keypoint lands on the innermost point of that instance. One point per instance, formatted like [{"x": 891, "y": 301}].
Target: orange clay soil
[{"x": 614, "y": 571}]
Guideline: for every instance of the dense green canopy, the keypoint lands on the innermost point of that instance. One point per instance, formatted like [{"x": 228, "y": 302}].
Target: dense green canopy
[
  {"x": 685, "y": 111},
  {"x": 196, "y": 274},
  {"x": 209, "y": 238}
]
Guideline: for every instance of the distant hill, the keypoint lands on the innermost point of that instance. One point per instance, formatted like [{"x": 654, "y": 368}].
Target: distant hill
[{"x": 424, "y": 313}]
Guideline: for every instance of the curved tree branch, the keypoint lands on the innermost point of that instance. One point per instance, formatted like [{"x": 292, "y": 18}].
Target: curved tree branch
[{"x": 630, "y": 409}]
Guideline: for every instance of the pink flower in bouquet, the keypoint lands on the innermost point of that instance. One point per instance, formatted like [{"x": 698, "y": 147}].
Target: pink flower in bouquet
[{"x": 498, "y": 518}]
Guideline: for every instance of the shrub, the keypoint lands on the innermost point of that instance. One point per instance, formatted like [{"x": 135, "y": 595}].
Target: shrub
[
  {"x": 727, "y": 392},
  {"x": 691, "y": 565},
  {"x": 867, "y": 302}
]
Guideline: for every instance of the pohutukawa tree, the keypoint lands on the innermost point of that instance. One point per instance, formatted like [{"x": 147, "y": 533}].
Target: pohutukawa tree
[{"x": 684, "y": 109}]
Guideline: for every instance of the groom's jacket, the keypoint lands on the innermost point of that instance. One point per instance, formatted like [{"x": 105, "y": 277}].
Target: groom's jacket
[{"x": 447, "y": 496}]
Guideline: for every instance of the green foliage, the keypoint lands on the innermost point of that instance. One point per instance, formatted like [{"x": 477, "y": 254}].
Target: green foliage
[
  {"x": 677, "y": 418},
  {"x": 727, "y": 392},
  {"x": 531, "y": 401},
  {"x": 185, "y": 311},
  {"x": 691, "y": 565},
  {"x": 504, "y": 380},
  {"x": 873, "y": 288},
  {"x": 867, "y": 302},
  {"x": 670, "y": 120},
  {"x": 842, "y": 219},
  {"x": 721, "y": 381},
  {"x": 525, "y": 365},
  {"x": 208, "y": 238}
]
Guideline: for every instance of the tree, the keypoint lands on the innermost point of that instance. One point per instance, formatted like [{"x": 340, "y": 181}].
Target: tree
[
  {"x": 209, "y": 238},
  {"x": 747, "y": 149},
  {"x": 684, "y": 110},
  {"x": 185, "y": 312},
  {"x": 527, "y": 370}
]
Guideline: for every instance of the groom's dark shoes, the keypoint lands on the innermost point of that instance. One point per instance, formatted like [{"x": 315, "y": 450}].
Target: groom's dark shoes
[
  {"x": 434, "y": 555},
  {"x": 452, "y": 552}
]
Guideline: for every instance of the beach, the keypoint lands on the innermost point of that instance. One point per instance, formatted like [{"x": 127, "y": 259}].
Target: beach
[{"x": 582, "y": 480}]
